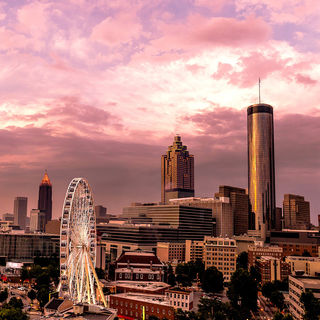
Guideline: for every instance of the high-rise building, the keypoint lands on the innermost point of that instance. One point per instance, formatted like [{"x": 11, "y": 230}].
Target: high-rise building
[
  {"x": 101, "y": 211},
  {"x": 45, "y": 197},
  {"x": 20, "y": 211},
  {"x": 239, "y": 202},
  {"x": 296, "y": 212},
  {"x": 37, "y": 220},
  {"x": 261, "y": 169},
  {"x": 177, "y": 172}
]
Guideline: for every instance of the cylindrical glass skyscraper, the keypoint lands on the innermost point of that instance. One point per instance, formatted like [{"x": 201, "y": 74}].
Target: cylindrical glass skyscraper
[{"x": 261, "y": 172}]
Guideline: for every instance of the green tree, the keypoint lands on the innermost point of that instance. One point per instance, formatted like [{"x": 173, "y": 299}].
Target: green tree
[
  {"x": 212, "y": 309},
  {"x": 277, "y": 299},
  {"x": 190, "y": 270},
  {"x": 32, "y": 295},
  {"x": 15, "y": 303},
  {"x": 3, "y": 295},
  {"x": 311, "y": 305},
  {"x": 280, "y": 316},
  {"x": 171, "y": 279},
  {"x": 243, "y": 293},
  {"x": 100, "y": 273},
  {"x": 255, "y": 274},
  {"x": 267, "y": 289},
  {"x": 242, "y": 260},
  {"x": 212, "y": 280},
  {"x": 43, "y": 296},
  {"x": 9, "y": 313}
]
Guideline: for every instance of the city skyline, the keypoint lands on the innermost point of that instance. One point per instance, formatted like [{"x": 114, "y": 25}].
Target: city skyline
[{"x": 80, "y": 99}]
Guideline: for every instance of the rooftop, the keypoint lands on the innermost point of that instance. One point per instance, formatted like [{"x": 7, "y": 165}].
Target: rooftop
[
  {"x": 142, "y": 285},
  {"x": 156, "y": 299}
]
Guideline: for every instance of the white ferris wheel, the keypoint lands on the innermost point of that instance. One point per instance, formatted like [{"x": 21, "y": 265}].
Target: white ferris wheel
[{"x": 78, "y": 278}]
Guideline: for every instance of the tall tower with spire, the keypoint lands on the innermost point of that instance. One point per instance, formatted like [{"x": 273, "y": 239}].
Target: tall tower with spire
[
  {"x": 45, "y": 197},
  {"x": 177, "y": 172}
]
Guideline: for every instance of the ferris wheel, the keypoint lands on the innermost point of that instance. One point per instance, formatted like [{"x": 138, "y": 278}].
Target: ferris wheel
[{"x": 78, "y": 278}]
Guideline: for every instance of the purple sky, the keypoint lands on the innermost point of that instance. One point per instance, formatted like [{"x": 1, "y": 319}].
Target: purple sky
[{"x": 99, "y": 88}]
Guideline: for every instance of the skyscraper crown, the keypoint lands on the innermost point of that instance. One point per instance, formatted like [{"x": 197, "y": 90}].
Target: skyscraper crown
[{"x": 45, "y": 179}]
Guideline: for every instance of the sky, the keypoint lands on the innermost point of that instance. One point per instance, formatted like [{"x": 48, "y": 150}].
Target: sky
[{"x": 99, "y": 88}]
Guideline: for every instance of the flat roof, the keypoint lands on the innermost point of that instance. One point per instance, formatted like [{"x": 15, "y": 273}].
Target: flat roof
[
  {"x": 148, "y": 298},
  {"x": 142, "y": 285}
]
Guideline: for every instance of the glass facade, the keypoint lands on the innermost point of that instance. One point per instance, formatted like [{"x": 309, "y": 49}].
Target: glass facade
[
  {"x": 261, "y": 171},
  {"x": 25, "y": 247}
]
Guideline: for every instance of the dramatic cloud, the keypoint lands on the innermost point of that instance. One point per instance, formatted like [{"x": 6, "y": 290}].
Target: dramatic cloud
[{"x": 99, "y": 88}]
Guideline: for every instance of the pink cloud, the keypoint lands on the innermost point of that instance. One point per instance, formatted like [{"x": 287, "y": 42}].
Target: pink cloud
[
  {"x": 33, "y": 19},
  {"x": 117, "y": 30},
  {"x": 305, "y": 79},
  {"x": 10, "y": 40}
]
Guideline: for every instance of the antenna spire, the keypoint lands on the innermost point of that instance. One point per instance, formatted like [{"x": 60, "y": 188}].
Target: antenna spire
[{"x": 259, "y": 91}]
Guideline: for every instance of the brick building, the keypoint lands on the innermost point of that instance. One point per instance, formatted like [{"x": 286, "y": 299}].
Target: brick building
[
  {"x": 171, "y": 251},
  {"x": 257, "y": 251},
  {"x": 131, "y": 306},
  {"x": 272, "y": 269}
]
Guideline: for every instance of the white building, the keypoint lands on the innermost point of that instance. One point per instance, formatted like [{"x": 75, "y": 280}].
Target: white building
[
  {"x": 220, "y": 253},
  {"x": 309, "y": 266},
  {"x": 180, "y": 298},
  {"x": 298, "y": 285}
]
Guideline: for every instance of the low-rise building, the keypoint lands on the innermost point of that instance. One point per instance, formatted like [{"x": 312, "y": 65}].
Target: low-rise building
[
  {"x": 306, "y": 265},
  {"x": 194, "y": 250},
  {"x": 220, "y": 253},
  {"x": 180, "y": 298},
  {"x": 298, "y": 285},
  {"x": 257, "y": 251},
  {"x": 272, "y": 269},
  {"x": 139, "y": 266},
  {"x": 139, "y": 287},
  {"x": 141, "y": 306},
  {"x": 171, "y": 251}
]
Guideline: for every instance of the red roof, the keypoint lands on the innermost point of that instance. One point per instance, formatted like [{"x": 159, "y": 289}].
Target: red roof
[{"x": 139, "y": 257}]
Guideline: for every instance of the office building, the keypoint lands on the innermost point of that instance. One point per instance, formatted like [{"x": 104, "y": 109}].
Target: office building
[
  {"x": 239, "y": 202},
  {"x": 194, "y": 250},
  {"x": 134, "y": 305},
  {"x": 257, "y": 251},
  {"x": 20, "y": 211},
  {"x": 45, "y": 197},
  {"x": 191, "y": 222},
  {"x": 169, "y": 252},
  {"x": 37, "y": 220},
  {"x": 24, "y": 247},
  {"x": 298, "y": 285},
  {"x": 222, "y": 212},
  {"x": 261, "y": 169},
  {"x": 101, "y": 211},
  {"x": 296, "y": 212},
  {"x": 308, "y": 266},
  {"x": 222, "y": 254},
  {"x": 272, "y": 269},
  {"x": 296, "y": 242},
  {"x": 8, "y": 217},
  {"x": 279, "y": 220},
  {"x": 53, "y": 227},
  {"x": 177, "y": 172}
]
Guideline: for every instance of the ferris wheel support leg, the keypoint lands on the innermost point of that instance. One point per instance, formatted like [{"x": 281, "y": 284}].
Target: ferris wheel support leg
[
  {"x": 98, "y": 284},
  {"x": 88, "y": 285}
]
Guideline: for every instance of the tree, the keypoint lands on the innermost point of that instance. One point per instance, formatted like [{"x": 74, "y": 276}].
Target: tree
[
  {"x": 190, "y": 270},
  {"x": 212, "y": 309},
  {"x": 15, "y": 303},
  {"x": 100, "y": 273},
  {"x": 32, "y": 295},
  {"x": 311, "y": 305},
  {"x": 242, "y": 260},
  {"x": 3, "y": 295},
  {"x": 171, "y": 279},
  {"x": 255, "y": 274},
  {"x": 277, "y": 299},
  {"x": 212, "y": 280},
  {"x": 280, "y": 316},
  {"x": 43, "y": 296},
  {"x": 267, "y": 289},
  {"x": 243, "y": 293},
  {"x": 9, "y": 313}
]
